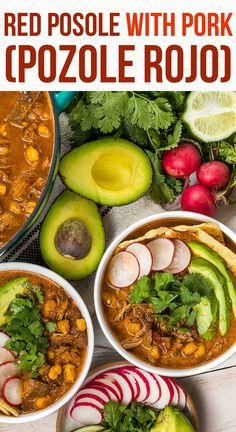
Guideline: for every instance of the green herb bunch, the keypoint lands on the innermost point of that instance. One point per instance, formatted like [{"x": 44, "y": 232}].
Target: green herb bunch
[
  {"x": 26, "y": 329},
  {"x": 171, "y": 297},
  {"x": 133, "y": 418}
]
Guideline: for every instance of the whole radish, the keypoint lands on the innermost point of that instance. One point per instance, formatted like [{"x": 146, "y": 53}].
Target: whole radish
[
  {"x": 199, "y": 199},
  {"x": 214, "y": 174},
  {"x": 182, "y": 160}
]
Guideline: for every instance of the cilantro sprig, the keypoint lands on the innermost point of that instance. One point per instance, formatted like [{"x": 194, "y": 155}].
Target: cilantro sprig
[
  {"x": 171, "y": 297},
  {"x": 133, "y": 418},
  {"x": 26, "y": 329}
]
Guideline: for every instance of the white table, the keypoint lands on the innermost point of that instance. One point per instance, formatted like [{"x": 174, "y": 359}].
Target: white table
[{"x": 214, "y": 392}]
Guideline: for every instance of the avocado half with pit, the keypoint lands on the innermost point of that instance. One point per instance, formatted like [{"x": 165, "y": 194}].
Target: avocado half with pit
[
  {"x": 72, "y": 239},
  {"x": 108, "y": 171}
]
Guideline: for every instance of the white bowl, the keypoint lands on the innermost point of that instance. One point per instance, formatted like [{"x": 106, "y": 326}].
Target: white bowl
[
  {"x": 177, "y": 215},
  {"x": 24, "y": 418}
]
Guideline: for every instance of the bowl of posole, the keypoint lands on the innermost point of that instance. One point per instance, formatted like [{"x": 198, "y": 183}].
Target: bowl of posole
[
  {"x": 46, "y": 342},
  {"x": 165, "y": 293}
]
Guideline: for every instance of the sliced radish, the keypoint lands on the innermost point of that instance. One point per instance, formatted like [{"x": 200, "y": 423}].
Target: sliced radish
[
  {"x": 123, "y": 269},
  {"x": 121, "y": 381},
  {"x": 99, "y": 395},
  {"x": 3, "y": 339},
  {"x": 6, "y": 355},
  {"x": 143, "y": 256},
  {"x": 105, "y": 393},
  {"x": 86, "y": 413},
  {"x": 182, "y": 396},
  {"x": 101, "y": 381},
  {"x": 166, "y": 395},
  {"x": 8, "y": 370},
  {"x": 144, "y": 386},
  {"x": 181, "y": 258},
  {"x": 175, "y": 397},
  {"x": 93, "y": 399},
  {"x": 155, "y": 392},
  {"x": 162, "y": 251},
  {"x": 11, "y": 391}
]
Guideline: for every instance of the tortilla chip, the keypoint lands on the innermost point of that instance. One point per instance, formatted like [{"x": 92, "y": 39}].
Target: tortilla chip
[{"x": 8, "y": 409}]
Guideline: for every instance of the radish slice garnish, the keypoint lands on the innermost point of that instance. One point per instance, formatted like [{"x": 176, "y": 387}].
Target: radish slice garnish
[
  {"x": 11, "y": 391},
  {"x": 6, "y": 355},
  {"x": 144, "y": 385},
  {"x": 155, "y": 392},
  {"x": 143, "y": 256},
  {"x": 3, "y": 339},
  {"x": 182, "y": 396},
  {"x": 86, "y": 413},
  {"x": 101, "y": 381},
  {"x": 121, "y": 382},
  {"x": 175, "y": 397},
  {"x": 8, "y": 370},
  {"x": 93, "y": 399},
  {"x": 162, "y": 251},
  {"x": 123, "y": 270},
  {"x": 98, "y": 395},
  {"x": 128, "y": 378},
  {"x": 166, "y": 395},
  {"x": 181, "y": 258}
]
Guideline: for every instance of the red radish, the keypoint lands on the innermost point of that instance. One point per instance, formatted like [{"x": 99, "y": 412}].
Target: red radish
[
  {"x": 162, "y": 251},
  {"x": 101, "y": 391},
  {"x": 143, "y": 256},
  {"x": 98, "y": 394},
  {"x": 123, "y": 270},
  {"x": 6, "y": 355},
  {"x": 199, "y": 199},
  {"x": 181, "y": 258},
  {"x": 98, "y": 381},
  {"x": 182, "y": 160},
  {"x": 182, "y": 395},
  {"x": 155, "y": 390},
  {"x": 214, "y": 174},
  {"x": 121, "y": 380},
  {"x": 144, "y": 384},
  {"x": 86, "y": 413},
  {"x": 8, "y": 370},
  {"x": 175, "y": 395},
  {"x": 129, "y": 379},
  {"x": 3, "y": 339},
  {"x": 11, "y": 391},
  {"x": 91, "y": 399},
  {"x": 166, "y": 393}
]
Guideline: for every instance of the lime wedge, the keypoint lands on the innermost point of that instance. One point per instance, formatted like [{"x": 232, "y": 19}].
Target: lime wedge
[{"x": 211, "y": 116}]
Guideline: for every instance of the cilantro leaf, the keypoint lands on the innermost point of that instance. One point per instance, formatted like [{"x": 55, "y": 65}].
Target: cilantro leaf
[
  {"x": 50, "y": 326},
  {"x": 141, "y": 290},
  {"x": 189, "y": 298},
  {"x": 162, "y": 280},
  {"x": 227, "y": 152},
  {"x": 163, "y": 300}
]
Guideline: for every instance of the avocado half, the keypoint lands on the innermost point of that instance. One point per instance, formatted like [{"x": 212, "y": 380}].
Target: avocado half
[
  {"x": 108, "y": 171},
  {"x": 72, "y": 239},
  {"x": 172, "y": 420}
]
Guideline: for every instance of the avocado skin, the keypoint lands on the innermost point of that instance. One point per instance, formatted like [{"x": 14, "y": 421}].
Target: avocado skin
[
  {"x": 207, "y": 253},
  {"x": 70, "y": 205},
  {"x": 207, "y": 316},
  {"x": 172, "y": 420},
  {"x": 8, "y": 293},
  {"x": 218, "y": 283},
  {"x": 76, "y": 171}
]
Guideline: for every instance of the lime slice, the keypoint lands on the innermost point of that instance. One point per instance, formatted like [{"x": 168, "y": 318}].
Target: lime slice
[{"x": 211, "y": 116}]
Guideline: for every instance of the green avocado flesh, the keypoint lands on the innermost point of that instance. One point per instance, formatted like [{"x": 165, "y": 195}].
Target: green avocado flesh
[
  {"x": 218, "y": 283},
  {"x": 172, "y": 420},
  {"x": 207, "y": 316},
  {"x": 72, "y": 239},
  {"x": 107, "y": 171},
  {"x": 8, "y": 293},
  {"x": 208, "y": 254}
]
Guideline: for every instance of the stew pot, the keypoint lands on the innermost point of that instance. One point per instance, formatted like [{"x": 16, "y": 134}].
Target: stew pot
[{"x": 59, "y": 101}]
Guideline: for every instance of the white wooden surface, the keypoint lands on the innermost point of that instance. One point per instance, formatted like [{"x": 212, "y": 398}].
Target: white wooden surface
[{"x": 214, "y": 392}]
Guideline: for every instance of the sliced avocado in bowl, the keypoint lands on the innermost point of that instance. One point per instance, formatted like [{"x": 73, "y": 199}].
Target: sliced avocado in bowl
[
  {"x": 207, "y": 316},
  {"x": 172, "y": 420},
  {"x": 208, "y": 254},
  {"x": 107, "y": 171},
  {"x": 218, "y": 283},
  {"x": 8, "y": 292},
  {"x": 72, "y": 239}
]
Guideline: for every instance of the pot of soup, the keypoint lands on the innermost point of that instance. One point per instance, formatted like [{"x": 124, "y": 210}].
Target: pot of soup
[
  {"x": 29, "y": 157},
  {"x": 165, "y": 293}
]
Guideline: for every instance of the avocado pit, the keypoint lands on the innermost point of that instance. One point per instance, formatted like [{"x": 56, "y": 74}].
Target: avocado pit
[{"x": 72, "y": 239}]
